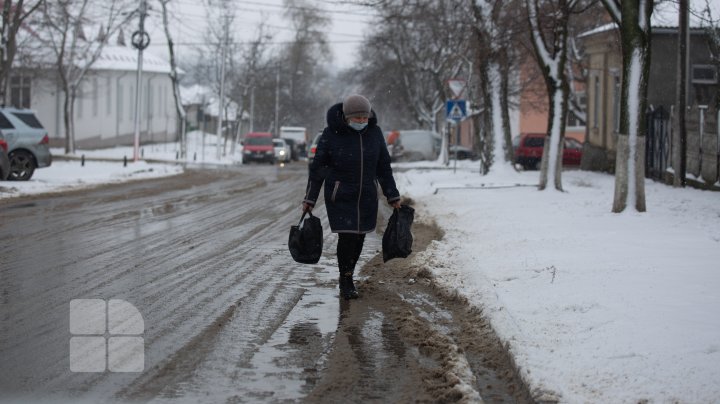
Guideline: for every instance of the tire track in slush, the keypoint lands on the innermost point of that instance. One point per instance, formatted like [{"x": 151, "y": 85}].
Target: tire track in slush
[{"x": 181, "y": 292}]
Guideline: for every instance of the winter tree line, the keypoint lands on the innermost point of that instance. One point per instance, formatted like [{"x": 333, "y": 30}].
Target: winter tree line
[{"x": 409, "y": 51}]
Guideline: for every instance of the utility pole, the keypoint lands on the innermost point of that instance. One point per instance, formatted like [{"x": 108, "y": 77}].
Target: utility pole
[
  {"x": 140, "y": 41},
  {"x": 277, "y": 101},
  {"x": 252, "y": 108},
  {"x": 221, "y": 102},
  {"x": 680, "y": 149}
]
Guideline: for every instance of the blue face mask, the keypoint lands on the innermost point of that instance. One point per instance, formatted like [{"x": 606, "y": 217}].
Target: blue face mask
[{"x": 358, "y": 125}]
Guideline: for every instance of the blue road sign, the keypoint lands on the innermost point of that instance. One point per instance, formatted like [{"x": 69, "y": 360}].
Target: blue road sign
[{"x": 455, "y": 110}]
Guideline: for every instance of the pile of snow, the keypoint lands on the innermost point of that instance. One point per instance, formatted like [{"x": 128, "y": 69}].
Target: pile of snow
[
  {"x": 68, "y": 175},
  {"x": 595, "y": 306}
]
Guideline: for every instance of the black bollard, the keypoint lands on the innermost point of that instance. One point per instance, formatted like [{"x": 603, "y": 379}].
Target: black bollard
[
  {"x": 82, "y": 161},
  {"x": 124, "y": 161},
  {"x": 142, "y": 153},
  {"x": 177, "y": 155},
  {"x": 195, "y": 156}
]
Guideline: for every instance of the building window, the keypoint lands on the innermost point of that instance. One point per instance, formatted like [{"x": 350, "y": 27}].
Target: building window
[
  {"x": 79, "y": 100},
  {"x": 704, "y": 74},
  {"x": 596, "y": 103},
  {"x": 20, "y": 91},
  {"x": 120, "y": 102},
  {"x": 617, "y": 90},
  {"x": 149, "y": 102},
  {"x": 108, "y": 101},
  {"x": 95, "y": 97},
  {"x": 131, "y": 110}
]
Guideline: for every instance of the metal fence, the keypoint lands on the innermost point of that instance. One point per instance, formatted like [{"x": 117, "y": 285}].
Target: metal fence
[
  {"x": 658, "y": 143},
  {"x": 702, "y": 143}
]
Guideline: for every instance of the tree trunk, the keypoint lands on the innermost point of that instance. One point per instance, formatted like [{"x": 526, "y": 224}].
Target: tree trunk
[
  {"x": 175, "y": 83},
  {"x": 630, "y": 160},
  {"x": 505, "y": 109},
  {"x": 487, "y": 142},
  {"x": 67, "y": 121}
]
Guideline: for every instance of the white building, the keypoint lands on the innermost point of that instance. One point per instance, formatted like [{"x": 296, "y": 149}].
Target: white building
[{"x": 105, "y": 106}]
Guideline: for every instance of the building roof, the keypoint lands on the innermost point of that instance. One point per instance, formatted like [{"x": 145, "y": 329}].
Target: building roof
[
  {"x": 666, "y": 15},
  {"x": 123, "y": 58}
]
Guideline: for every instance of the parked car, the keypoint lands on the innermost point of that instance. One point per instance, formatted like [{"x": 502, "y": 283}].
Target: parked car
[
  {"x": 294, "y": 149},
  {"x": 394, "y": 147},
  {"x": 27, "y": 142},
  {"x": 528, "y": 149},
  {"x": 282, "y": 150},
  {"x": 258, "y": 146},
  {"x": 463, "y": 153},
  {"x": 4, "y": 160},
  {"x": 313, "y": 147}
]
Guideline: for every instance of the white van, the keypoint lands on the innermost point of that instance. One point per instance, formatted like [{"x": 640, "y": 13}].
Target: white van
[{"x": 419, "y": 144}]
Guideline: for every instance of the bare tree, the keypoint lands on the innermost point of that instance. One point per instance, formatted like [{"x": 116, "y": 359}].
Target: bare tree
[
  {"x": 244, "y": 74},
  {"x": 549, "y": 31},
  {"x": 175, "y": 80},
  {"x": 301, "y": 63},
  {"x": 73, "y": 53},
  {"x": 633, "y": 18},
  {"x": 493, "y": 31},
  {"x": 423, "y": 40},
  {"x": 14, "y": 15}
]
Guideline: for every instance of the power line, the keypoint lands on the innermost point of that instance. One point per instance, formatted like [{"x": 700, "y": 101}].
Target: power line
[{"x": 251, "y": 42}]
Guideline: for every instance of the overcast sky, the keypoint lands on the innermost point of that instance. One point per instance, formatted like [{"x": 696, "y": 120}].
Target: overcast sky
[{"x": 345, "y": 31}]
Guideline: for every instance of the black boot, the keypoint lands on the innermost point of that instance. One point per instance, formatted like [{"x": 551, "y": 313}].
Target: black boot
[{"x": 347, "y": 287}]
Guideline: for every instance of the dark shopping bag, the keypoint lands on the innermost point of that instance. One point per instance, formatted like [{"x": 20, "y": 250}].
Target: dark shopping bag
[
  {"x": 306, "y": 242},
  {"x": 398, "y": 239}
]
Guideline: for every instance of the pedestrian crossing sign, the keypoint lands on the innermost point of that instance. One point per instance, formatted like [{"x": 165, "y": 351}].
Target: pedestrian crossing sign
[{"x": 456, "y": 110}]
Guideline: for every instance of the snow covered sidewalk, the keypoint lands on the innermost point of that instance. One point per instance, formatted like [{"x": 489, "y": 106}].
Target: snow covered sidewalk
[{"x": 595, "y": 306}]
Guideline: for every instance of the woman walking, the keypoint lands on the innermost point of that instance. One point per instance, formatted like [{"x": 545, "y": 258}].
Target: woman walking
[{"x": 351, "y": 158}]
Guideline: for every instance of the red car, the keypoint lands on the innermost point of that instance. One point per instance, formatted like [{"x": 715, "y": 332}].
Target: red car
[
  {"x": 258, "y": 146},
  {"x": 529, "y": 149},
  {"x": 4, "y": 160}
]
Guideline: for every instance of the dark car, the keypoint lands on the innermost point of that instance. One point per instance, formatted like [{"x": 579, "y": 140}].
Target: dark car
[
  {"x": 313, "y": 147},
  {"x": 27, "y": 142},
  {"x": 463, "y": 153},
  {"x": 294, "y": 149},
  {"x": 4, "y": 160},
  {"x": 529, "y": 150}
]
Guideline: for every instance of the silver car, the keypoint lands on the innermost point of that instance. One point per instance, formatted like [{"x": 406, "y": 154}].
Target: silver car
[{"x": 27, "y": 142}]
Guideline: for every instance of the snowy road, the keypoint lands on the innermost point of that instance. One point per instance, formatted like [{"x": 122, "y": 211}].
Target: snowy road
[
  {"x": 202, "y": 256},
  {"x": 228, "y": 317}
]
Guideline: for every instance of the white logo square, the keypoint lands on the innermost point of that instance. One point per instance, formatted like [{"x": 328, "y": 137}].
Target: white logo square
[
  {"x": 87, "y": 354},
  {"x": 88, "y": 316},
  {"x": 126, "y": 354}
]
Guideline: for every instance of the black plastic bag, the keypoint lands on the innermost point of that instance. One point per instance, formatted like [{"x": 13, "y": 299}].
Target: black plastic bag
[
  {"x": 306, "y": 242},
  {"x": 398, "y": 239}
]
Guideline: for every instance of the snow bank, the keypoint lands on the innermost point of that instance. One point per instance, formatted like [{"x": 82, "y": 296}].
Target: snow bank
[{"x": 595, "y": 306}]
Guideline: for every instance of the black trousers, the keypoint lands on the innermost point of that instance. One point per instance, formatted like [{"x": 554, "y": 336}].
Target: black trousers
[{"x": 349, "y": 247}]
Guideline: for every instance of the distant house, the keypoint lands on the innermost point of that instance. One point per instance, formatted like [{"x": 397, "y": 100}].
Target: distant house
[
  {"x": 201, "y": 109},
  {"x": 105, "y": 106},
  {"x": 604, "y": 85},
  {"x": 533, "y": 104}
]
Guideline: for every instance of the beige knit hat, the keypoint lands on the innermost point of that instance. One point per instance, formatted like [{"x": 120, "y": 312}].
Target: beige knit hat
[{"x": 356, "y": 105}]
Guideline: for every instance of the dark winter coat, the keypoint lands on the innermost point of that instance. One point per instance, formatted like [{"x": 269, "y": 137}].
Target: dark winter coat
[{"x": 351, "y": 163}]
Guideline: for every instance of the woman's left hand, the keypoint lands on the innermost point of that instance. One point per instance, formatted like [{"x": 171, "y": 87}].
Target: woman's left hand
[{"x": 396, "y": 204}]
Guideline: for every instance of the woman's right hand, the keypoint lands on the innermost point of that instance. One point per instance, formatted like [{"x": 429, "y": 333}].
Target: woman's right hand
[{"x": 307, "y": 207}]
